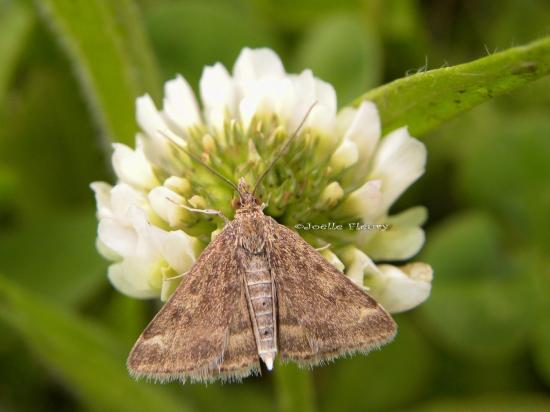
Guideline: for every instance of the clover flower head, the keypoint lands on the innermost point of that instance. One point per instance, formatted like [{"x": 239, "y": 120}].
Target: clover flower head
[{"x": 339, "y": 169}]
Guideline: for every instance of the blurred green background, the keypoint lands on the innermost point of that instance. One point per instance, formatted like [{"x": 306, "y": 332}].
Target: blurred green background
[{"x": 482, "y": 340}]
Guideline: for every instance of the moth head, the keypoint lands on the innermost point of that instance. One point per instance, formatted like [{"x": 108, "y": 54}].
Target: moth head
[{"x": 246, "y": 200}]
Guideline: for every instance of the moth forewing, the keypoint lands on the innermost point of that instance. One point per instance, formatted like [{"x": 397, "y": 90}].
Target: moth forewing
[
  {"x": 322, "y": 313},
  {"x": 204, "y": 332}
]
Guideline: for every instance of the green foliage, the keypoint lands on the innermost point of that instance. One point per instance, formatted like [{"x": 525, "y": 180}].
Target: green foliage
[
  {"x": 16, "y": 22},
  {"x": 110, "y": 54},
  {"x": 481, "y": 340},
  {"x": 493, "y": 323},
  {"x": 69, "y": 277},
  {"x": 185, "y": 43},
  {"x": 48, "y": 147},
  {"x": 409, "y": 354},
  {"x": 344, "y": 52},
  {"x": 425, "y": 100},
  {"x": 522, "y": 146},
  {"x": 80, "y": 353},
  {"x": 518, "y": 403}
]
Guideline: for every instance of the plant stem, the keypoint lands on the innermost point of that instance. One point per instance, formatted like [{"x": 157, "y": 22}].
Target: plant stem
[{"x": 294, "y": 389}]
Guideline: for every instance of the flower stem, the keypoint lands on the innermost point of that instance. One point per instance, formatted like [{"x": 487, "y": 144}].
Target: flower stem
[{"x": 294, "y": 389}]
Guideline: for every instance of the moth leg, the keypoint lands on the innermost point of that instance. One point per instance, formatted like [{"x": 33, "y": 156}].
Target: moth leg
[
  {"x": 325, "y": 247},
  {"x": 177, "y": 276},
  {"x": 205, "y": 211}
]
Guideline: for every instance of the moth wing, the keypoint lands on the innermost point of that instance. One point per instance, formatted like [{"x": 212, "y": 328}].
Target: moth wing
[
  {"x": 203, "y": 332},
  {"x": 322, "y": 313}
]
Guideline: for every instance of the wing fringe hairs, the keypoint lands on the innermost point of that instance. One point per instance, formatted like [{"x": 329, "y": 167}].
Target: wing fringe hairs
[
  {"x": 204, "y": 375},
  {"x": 329, "y": 357}
]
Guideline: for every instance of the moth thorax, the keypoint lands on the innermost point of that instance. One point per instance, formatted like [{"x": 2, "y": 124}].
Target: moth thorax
[{"x": 252, "y": 233}]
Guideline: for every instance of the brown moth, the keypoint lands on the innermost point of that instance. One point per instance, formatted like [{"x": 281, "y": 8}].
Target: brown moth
[{"x": 256, "y": 291}]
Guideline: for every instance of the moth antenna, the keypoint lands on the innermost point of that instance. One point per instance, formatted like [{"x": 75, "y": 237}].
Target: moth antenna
[
  {"x": 284, "y": 148},
  {"x": 199, "y": 161}
]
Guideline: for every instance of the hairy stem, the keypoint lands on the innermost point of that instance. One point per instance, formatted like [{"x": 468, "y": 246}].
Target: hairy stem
[{"x": 425, "y": 100}]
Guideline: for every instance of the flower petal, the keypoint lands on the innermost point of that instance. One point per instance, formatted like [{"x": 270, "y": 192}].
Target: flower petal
[
  {"x": 331, "y": 195},
  {"x": 344, "y": 120},
  {"x": 178, "y": 184},
  {"x": 325, "y": 95},
  {"x": 103, "y": 198},
  {"x": 333, "y": 259},
  {"x": 254, "y": 65},
  {"x": 398, "y": 162},
  {"x": 159, "y": 151},
  {"x": 364, "y": 131},
  {"x": 123, "y": 198},
  {"x": 180, "y": 105},
  {"x": 345, "y": 156},
  {"x": 148, "y": 117},
  {"x": 269, "y": 96},
  {"x": 165, "y": 204},
  {"x": 308, "y": 90},
  {"x": 118, "y": 238},
  {"x": 402, "y": 241},
  {"x": 132, "y": 277},
  {"x": 106, "y": 252},
  {"x": 177, "y": 248},
  {"x": 365, "y": 202},
  {"x": 132, "y": 167},
  {"x": 401, "y": 288},
  {"x": 170, "y": 282},
  {"x": 357, "y": 264},
  {"x": 218, "y": 94}
]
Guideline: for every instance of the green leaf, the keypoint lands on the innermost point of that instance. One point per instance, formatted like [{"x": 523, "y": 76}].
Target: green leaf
[
  {"x": 294, "y": 388},
  {"x": 482, "y": 303},
  {"x": 55, "y": 257},
  {"x": 423, "y": 101},
  {"x": 16, "y": 23},
  {"x": 48, "y": 150},
  {"x": 107, "y": 45},
  {"x": 343, "y": 51},
  {"x": 81, "y": 354}
]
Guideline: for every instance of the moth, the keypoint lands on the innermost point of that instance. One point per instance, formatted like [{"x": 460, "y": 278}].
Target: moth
[{"x": 258, "y": 290}]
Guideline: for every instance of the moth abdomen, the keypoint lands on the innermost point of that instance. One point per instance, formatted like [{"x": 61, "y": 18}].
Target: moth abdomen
[{"x": 261, "y": 302}]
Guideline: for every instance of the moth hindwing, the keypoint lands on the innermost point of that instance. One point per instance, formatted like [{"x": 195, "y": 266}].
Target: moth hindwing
[{"x": 257, "y": 290}]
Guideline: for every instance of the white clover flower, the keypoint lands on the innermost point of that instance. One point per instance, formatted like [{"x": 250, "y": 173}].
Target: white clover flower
[{"x": 339, "y": 170}]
